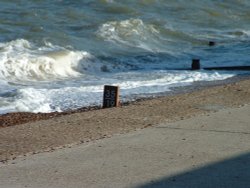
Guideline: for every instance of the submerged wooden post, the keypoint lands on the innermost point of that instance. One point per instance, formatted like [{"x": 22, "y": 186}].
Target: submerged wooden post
[
  {"x": 196, "y": 64},
  {"x": 110, "y": 96}
]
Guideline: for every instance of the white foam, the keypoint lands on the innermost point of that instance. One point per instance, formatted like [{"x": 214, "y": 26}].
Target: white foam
[
  {"x": 33, "y": 100},
  {"x": 49, "y": 100},
  {"x": 169, "y": 78},
  {"x": 131, "y": 32},
  {"x": 133, "y": 83},
  {"x": 22, "y": 61}
]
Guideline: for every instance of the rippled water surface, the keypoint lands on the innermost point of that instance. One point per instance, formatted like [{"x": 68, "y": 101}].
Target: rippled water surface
[{"x": 57, "y": 55}]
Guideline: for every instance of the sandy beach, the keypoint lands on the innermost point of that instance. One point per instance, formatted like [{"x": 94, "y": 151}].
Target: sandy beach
[
  {"x": 198, "y": 139},
  {"x": 71, "y": 129}
]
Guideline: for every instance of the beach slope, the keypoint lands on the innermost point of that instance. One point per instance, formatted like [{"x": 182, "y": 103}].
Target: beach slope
[{"x": 211, "y": 150}]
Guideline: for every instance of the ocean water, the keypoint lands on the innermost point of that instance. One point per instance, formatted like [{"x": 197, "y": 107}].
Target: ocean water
[{"x": 57, "y": 55}]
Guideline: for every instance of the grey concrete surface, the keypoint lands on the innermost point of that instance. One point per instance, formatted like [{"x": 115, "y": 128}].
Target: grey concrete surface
[{"x": 208, "y": 151}]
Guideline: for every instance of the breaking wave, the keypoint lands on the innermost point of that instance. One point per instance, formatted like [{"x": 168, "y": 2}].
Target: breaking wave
[
  {"x": 131, "y": 32},
  {"x": 22, "y": 61}
]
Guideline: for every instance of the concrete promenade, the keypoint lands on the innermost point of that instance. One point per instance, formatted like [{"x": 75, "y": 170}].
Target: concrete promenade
[{"x": 212, "y": 150}]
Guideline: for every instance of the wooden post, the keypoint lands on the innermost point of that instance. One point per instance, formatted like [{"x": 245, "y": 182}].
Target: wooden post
[
  {"x": 110, "y": 96},
  {"x": 211, "y": 43},
  {"x": 196, "y": 64}
]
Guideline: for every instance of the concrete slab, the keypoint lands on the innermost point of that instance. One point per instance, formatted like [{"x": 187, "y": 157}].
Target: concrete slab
[{"x": 208, "y": 151}]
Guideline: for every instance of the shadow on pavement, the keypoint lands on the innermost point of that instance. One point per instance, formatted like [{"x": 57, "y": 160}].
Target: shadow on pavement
[{"x": 231, "y": 173}]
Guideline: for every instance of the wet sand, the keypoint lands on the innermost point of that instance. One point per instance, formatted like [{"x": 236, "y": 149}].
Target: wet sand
[{"x": 48, "y": 132}]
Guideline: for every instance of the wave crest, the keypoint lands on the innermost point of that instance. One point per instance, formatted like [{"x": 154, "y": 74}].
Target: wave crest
[
  {"x": 132, "y": 32},
  {"x": 20, "y": 60}
]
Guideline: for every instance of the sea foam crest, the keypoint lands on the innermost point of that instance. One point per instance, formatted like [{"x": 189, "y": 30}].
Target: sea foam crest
[
  {"x": 131, "y": 32},
  {"x": 22, "y": 60}
]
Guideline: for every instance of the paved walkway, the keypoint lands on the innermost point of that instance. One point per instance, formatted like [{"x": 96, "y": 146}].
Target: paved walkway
[{"x": 208, "y": 151}]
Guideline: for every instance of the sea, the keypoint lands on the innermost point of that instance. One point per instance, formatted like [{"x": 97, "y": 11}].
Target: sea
[{"x": 57, "y": 55}]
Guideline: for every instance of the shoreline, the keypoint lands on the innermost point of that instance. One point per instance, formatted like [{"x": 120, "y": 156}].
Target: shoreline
[
  {"x": 76, "y": 128},
  {"x": 17, "y": 118}
]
